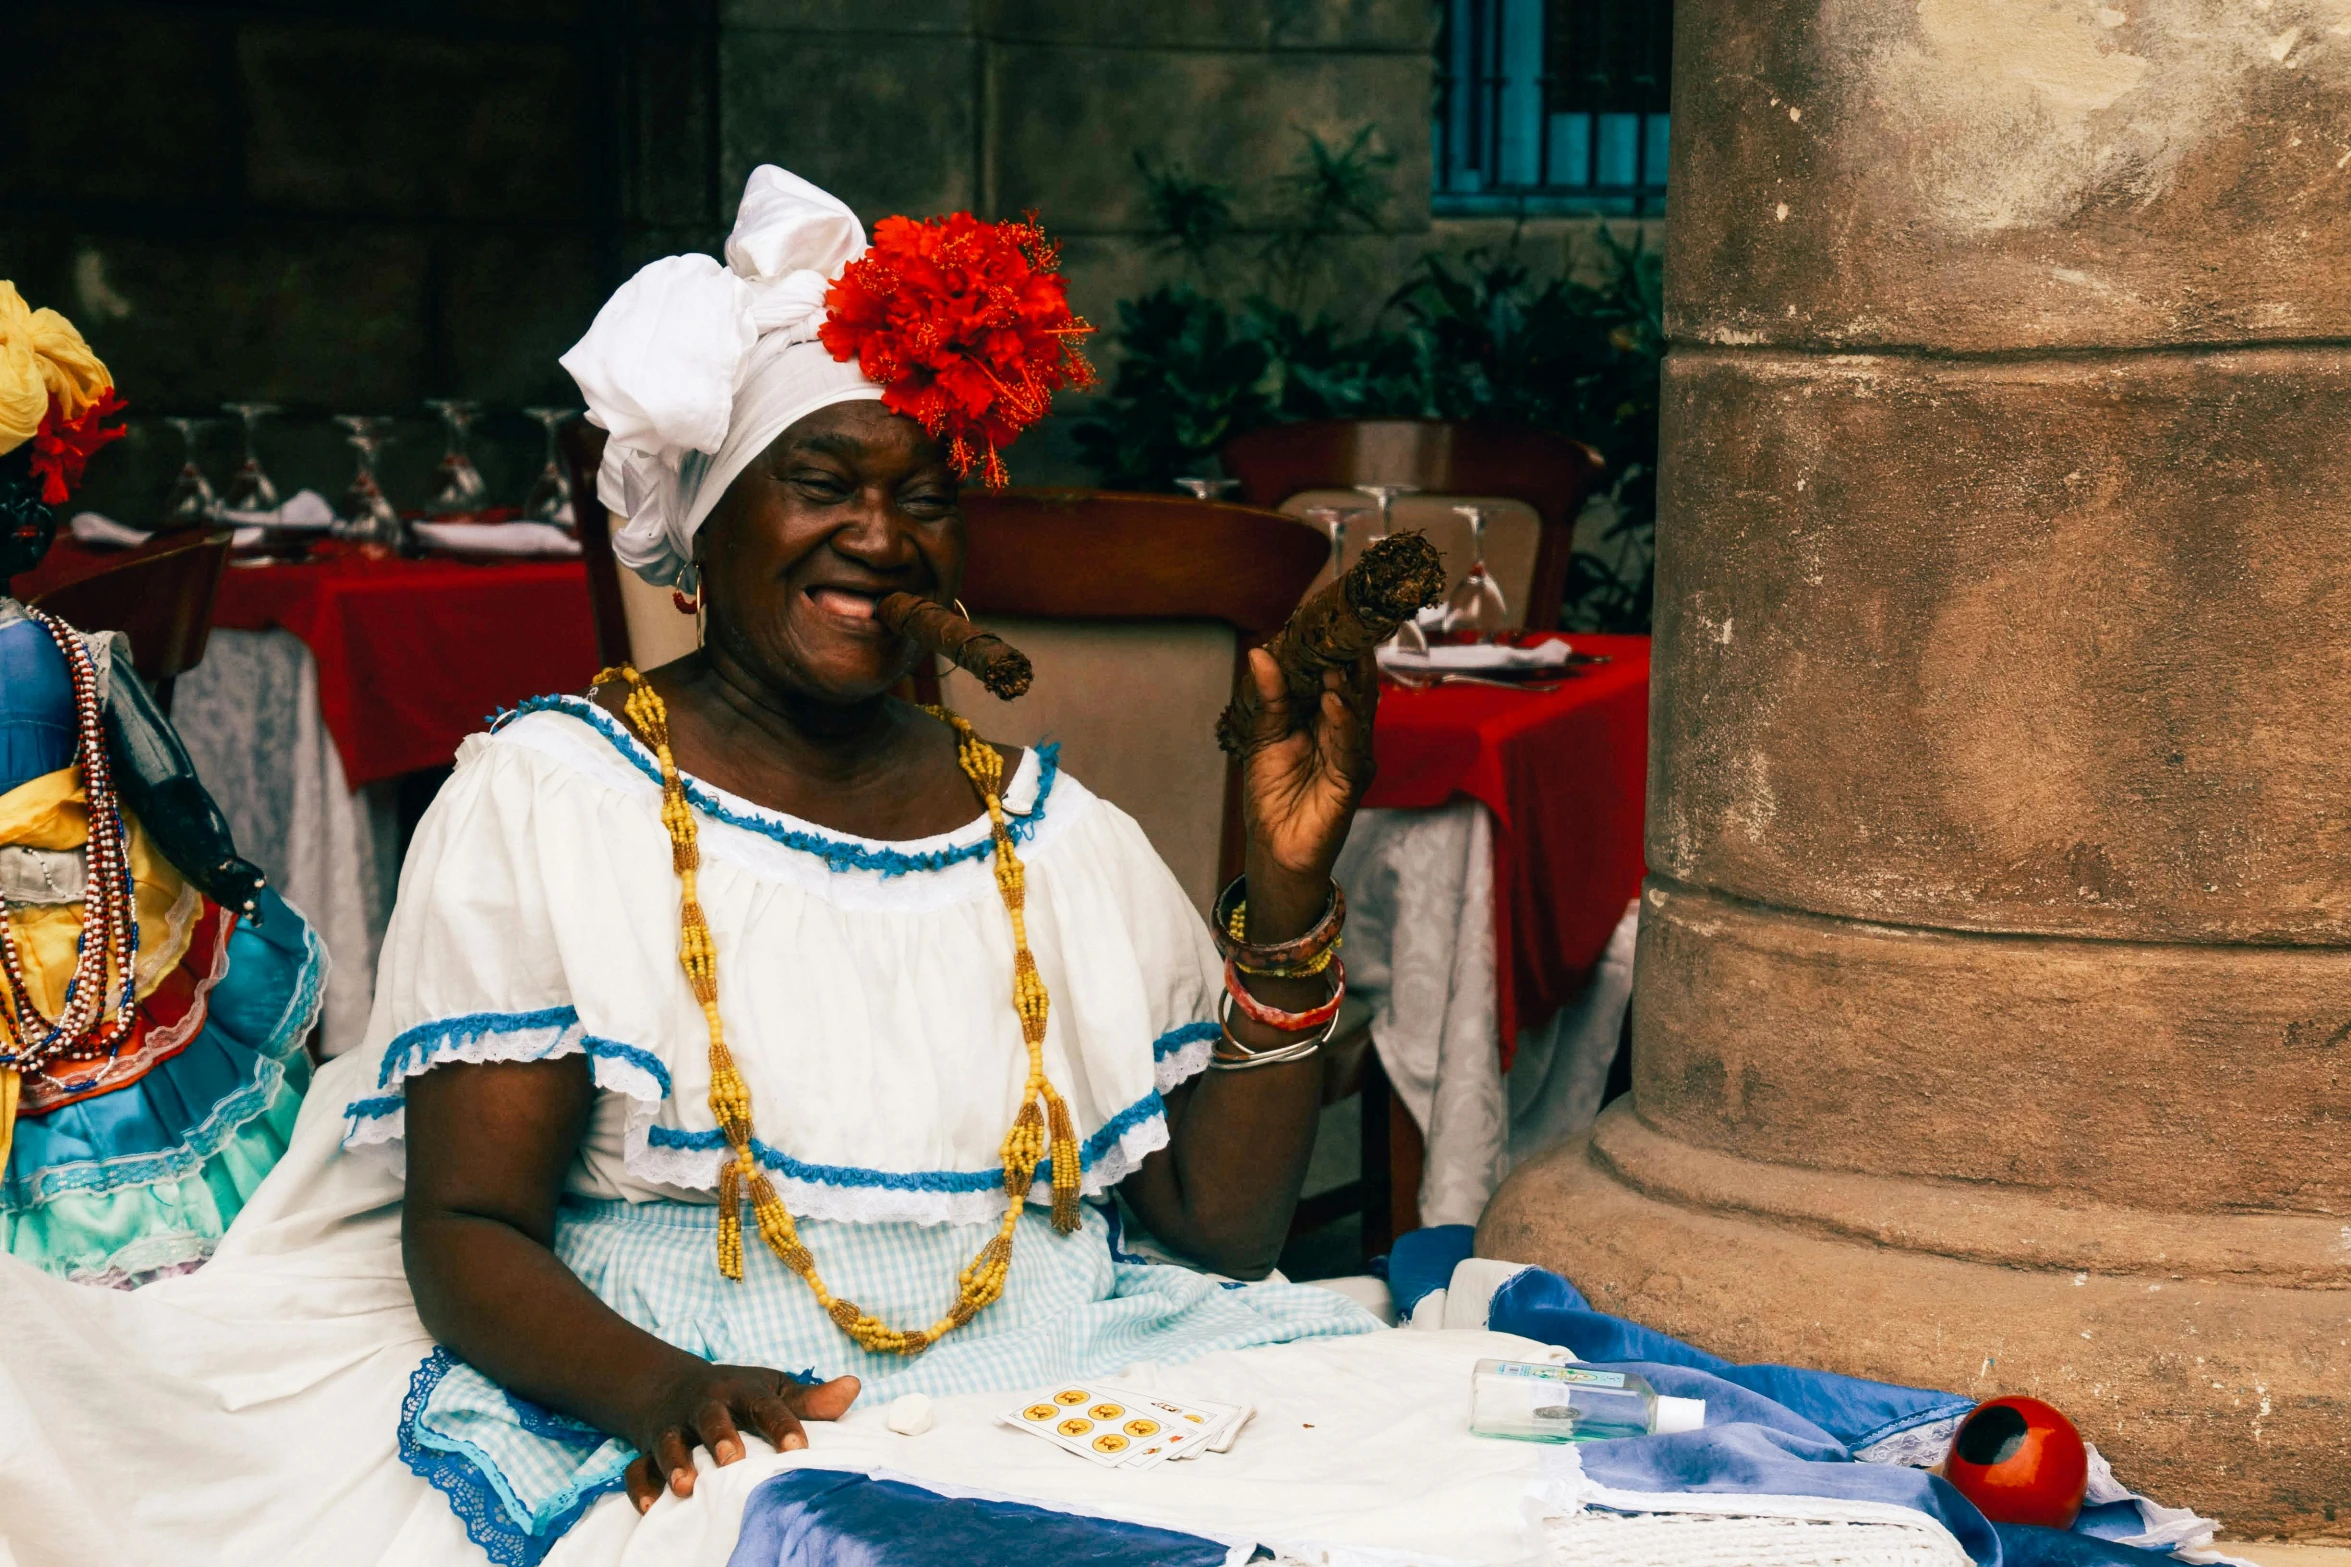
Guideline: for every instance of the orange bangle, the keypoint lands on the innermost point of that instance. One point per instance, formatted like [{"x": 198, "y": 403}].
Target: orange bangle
[{"x": 1258, "y": 1012}]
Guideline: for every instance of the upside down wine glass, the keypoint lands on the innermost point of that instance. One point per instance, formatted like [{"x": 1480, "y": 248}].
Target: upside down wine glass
[
  {"x": 251, "y": 489},
  {"x": 1386, "y": 495},
  {"x": 458, "y": 488},
  {"x": 1475, "y": 610},
  {"x": 191, "y": 503},
  {"x": 366, "y": 516},
  {"x": 1333, "y": 520},
  {"x": 1208, "y": 489},
  {"x": 549, "y": 500}
]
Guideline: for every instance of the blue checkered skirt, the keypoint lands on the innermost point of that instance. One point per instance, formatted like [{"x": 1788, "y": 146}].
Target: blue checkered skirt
[{"x": 518, "y": 1475}]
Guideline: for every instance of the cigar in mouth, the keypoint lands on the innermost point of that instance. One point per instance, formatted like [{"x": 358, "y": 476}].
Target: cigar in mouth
[{"x": 933, "y": 627}]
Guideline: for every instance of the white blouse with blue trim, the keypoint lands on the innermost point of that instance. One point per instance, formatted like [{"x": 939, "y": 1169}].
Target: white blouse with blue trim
[{"x": 865, "y": 986}]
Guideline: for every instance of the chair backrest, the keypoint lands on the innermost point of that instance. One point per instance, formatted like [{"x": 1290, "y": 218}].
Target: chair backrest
[
  {"x": 1514, "y": 536},
  {"x": 160, "y": 596},
  {"x": 635, "y": 621},
  {"x": 1549, "y": 473},
  {"x": 1136, "y": 611}
]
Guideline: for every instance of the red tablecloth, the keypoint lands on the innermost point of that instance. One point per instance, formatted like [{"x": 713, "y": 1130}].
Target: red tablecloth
[
  {"x": 1564, "y": 774},
  {"x": 413, "y": 655}
]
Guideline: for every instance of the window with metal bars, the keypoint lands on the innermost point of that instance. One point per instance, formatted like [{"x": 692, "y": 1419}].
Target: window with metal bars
[{"x": 1552, "y": 106}]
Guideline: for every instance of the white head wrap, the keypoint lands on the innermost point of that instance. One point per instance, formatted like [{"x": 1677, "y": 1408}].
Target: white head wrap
[{"x": 693, "y": 367}]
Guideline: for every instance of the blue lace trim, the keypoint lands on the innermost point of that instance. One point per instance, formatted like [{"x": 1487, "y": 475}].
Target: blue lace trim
[
  {"x": 473, "y": 1496},
  {"x": 644, "y": 1061},
  {"x": 228, "y": 1116},
  {"x": 414, "y": 1050},
  {"x": 1175, "y": 1039},
  {"x": 840, "y": 854},
  {"x": 418, "y": 1049},
  {"x": 1090, "y": 1153},
  {"x": 1902, "y": 1423},
  {"x": 540, "y": 1421}
]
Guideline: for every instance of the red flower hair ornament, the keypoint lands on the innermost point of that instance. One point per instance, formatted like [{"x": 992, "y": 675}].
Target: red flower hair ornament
[{"x": 965, "y": 325}]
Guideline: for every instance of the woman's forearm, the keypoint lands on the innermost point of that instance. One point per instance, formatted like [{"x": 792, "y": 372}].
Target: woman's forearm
[
  {"x": 1241, "y": 1141},
  {"x": 505, "y": 1304}
]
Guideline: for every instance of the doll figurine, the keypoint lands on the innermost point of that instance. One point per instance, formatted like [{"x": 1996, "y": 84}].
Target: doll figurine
[{"x": 155, "y": 993}]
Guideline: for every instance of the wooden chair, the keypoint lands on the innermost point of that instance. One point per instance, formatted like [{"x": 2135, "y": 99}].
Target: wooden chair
[
  {"x": 1138, "y": 612},
  {"x": 160, "y": 596},
  {"x": 1549, "y": 474},
  {"x": 635, "y": 621}
]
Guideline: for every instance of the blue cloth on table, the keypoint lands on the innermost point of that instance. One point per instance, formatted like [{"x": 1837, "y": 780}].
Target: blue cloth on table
[
  {"x": 839, "y": 1518},
  {"x": 1771, "y": 1430}
]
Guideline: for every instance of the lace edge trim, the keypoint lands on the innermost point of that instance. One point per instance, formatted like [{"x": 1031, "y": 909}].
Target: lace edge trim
[
  {"x": 475, "y": 1491},
  {"x": 839, "y": 854},
  {"x": 1181, "y": 1054},
  {"x": 883, "y": 1196},
  {"x": 1893, "y": 1442},
  {"x": 229, "y": 1115},
  {"x": 546, "y": 1035}
]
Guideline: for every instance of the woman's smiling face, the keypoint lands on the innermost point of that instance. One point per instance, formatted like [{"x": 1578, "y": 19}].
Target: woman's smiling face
[{"x": 852, "y": 503}]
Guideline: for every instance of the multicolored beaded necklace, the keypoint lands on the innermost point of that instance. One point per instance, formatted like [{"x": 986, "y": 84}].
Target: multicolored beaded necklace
[
  {"x": 1042, "y": 1125},
  {"x": 81, "y": 1031}
]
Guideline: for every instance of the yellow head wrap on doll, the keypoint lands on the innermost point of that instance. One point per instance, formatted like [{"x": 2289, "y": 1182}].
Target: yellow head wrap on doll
[{"x": 42, "y": 360}]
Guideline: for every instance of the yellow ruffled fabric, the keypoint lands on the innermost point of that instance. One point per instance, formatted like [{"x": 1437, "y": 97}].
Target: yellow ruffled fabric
[
  {"x": 42, "y": 357},
  {"x": 51, "y": 812}
]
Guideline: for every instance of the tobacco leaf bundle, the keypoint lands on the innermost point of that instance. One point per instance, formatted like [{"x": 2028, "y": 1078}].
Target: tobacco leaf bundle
[
  {"x": 1389, "y": 583},
  {"x": 933, "y": 627}
]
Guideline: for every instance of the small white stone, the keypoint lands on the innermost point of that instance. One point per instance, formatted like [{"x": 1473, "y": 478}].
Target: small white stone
[{"x": 909, "y": 1414}]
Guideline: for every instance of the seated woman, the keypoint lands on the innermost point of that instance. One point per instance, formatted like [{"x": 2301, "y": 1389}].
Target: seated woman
[
  {"x": 151, "y": 1059},
  {"x": 745, "y": 932}
]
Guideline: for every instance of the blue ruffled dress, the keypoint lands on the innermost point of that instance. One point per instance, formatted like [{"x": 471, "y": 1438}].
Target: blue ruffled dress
[{"x": 143, "y": 1179}]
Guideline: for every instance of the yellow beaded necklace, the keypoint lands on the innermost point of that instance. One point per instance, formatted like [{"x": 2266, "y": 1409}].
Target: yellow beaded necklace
[{"x": 1025, "y": 1145}]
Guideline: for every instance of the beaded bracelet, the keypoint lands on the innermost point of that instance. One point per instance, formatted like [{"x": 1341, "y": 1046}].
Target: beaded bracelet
[
  {"x": 1275, "y": 1055},
  {"x": 1294, "y": 959},
  {"x": 1258, "y": 1012}
]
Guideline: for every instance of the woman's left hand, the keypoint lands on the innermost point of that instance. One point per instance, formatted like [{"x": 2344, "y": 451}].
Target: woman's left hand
[{"x": 1300, "y": 784}]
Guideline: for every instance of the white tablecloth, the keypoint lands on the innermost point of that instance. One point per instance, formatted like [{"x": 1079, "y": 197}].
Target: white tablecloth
[
  {"x": 250, "y": 718},
  {"x": 1420, "y": 948}
]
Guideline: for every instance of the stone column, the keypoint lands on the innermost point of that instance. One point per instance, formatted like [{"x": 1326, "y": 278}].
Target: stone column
[{"x": 1994, "y": 995}]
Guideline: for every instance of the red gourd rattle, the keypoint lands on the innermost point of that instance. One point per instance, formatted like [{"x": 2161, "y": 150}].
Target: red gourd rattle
[{"x": 2020, "y": 1461}]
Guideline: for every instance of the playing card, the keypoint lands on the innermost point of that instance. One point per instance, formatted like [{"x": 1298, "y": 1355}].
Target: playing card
[
  {"x": 1186, "y": 1428},
  {"x": 1222, "y": 1442},
  {"x": 1101, "y": 1425}
]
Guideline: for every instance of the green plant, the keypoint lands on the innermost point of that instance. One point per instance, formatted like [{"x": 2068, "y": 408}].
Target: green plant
[
  {"x": 1187, "y": 381},
  {"x": 1191, "y": 218},
  {"x": 1329, "y": 192}
]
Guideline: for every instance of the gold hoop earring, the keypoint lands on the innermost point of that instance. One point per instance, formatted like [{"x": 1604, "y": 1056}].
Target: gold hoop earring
[{"x": 688, "y": 606}]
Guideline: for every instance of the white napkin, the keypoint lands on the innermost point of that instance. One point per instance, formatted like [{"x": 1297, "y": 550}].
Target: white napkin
[
  {"x": 102, "y": 532},
  {"x": 1476, "y": 657},
  {"x": 521, "y": 539},
  {"x": 305, "y": 510}
]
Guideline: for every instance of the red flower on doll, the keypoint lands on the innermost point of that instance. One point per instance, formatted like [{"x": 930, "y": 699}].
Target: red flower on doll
[
  {"x": 61, "y": 447},
  {"x": 966, "y": 326}
]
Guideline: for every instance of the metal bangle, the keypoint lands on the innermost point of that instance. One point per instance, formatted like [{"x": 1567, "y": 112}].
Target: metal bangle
[{"x": 1278, "y": 1055}]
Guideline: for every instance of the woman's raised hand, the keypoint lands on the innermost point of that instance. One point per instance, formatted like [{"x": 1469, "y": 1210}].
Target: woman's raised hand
[
  {"x": 703, "y": 1405},
  {"x": 1302, "y": 776}
]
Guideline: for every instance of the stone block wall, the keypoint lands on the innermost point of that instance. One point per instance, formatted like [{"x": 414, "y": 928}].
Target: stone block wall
[{"x": 348, "y": 207}]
